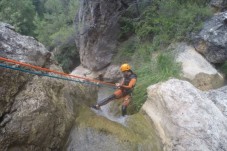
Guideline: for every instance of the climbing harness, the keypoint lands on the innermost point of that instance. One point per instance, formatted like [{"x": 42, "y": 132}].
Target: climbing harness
[{"x": 51, "y": 73}]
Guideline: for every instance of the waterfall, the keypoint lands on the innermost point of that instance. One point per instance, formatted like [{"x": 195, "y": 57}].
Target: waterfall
[{"x": 105, "y": 110}]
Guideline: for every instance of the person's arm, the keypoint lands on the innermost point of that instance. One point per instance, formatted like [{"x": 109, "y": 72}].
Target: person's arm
[
  {"x": 118, "y": 85},
  {"x": 122, "y": 81},
  {"x": 130, "y": 85}
]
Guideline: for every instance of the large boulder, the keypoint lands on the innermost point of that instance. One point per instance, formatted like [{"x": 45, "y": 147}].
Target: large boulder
[
  {"x": 186, "y": 118},
  {"x": 98, "y": 31},
  {"x": 95, "y": 132},
  {"x": 21, "y": 48},
  {"x": 42, "y": 114},
  {"x": 196, "y": 69},
  {"x": 36, "y": 113},
  {"x": 212, "y": 40}
]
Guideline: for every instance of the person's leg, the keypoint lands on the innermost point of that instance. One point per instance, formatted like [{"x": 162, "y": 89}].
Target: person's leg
[
  {"x": 106, "y": 100},
  {"x": 117, "y": 94},
  {"x": 127, "y": 100}
]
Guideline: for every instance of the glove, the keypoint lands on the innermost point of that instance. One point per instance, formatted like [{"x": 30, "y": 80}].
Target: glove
[{"x": 118, "y": 85}]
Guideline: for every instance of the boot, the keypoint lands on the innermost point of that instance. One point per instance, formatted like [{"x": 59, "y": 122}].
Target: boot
[
  {"x": 124, "y": 110},
  {"x": 104, "y": 102},
  {"x": 107, "y": 100},
  {"x": 97, "y": 107}
]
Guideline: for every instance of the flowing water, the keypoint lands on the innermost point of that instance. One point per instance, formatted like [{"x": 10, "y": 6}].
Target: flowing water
[
  {"x": 85, "y": 138},
  {"x": 105, "y": 110}
]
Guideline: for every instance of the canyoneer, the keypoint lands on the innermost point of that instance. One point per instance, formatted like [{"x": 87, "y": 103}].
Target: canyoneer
[{"x": 124, "y": 89}]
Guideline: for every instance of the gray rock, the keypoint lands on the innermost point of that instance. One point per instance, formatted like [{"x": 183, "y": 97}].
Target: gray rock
[
  {"x": 5, "y": 120},
  {"x": 94, "y": 140},
  {"x": 219, "y": 98},
  {"x": 98, "y": 31},
  {"x": 113, "y": 74},
  {"x": 98, "y": 133},
  {"x": 36, "y": 113},
  {"x": 11, "y": 83},
  {"x": 21, "y": 48},
  {"x": 221, "y": 4},
  {"x": 185, "y": 117},
  {"x": 212, "y": 40},
  {"x": 196, "y": 69},
  {"x": 44, "y": 111},
  {"x": 5, "y": 25},
  {"x": 110, "y": 74}
]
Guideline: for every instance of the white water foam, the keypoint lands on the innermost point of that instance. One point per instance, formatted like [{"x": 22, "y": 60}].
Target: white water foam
[{"x": 104, "y": 111}]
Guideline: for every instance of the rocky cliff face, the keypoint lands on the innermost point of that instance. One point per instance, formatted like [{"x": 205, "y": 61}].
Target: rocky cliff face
[
  {"x": 98, "y": 31},
  {"x": 36, "y": 113},
  {"x": 21, "y": 48},
  {"x": 39, "y": 113},
  {"x": 212, "y": 40}
]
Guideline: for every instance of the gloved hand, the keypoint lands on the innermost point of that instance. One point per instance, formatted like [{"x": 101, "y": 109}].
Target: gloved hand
[{"x": 118, "y": 85}]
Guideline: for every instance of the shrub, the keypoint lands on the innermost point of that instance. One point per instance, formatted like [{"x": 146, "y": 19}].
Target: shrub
[
  {"x": 20, "y": 14},
  {"x": 68, "y": 57},
  {"x": 171, "y": 20},
  {"x": 159, "y": 69},
  {"x": 159, "y": 24},
  {"x": 126, "y": 51}
]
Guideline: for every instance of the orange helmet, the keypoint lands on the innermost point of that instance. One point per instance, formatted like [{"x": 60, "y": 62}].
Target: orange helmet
[{"x": 125, "y": 67}]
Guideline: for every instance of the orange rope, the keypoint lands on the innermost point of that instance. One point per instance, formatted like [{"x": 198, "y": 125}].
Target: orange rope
[{"x": 52, "y": 71}]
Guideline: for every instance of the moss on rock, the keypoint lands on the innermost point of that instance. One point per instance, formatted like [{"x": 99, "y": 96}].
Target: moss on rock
[{"x": 138, "y": 134}]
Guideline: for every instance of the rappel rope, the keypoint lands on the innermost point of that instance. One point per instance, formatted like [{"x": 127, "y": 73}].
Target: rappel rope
[{"x": 52, "y": 74}]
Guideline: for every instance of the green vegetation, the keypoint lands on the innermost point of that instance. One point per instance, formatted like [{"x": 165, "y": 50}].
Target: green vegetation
[
  {"x": 87, "y": 118},
  {"x": 159, "y": 24},
  {"x": 20, "y": 14},
  {"x": 150, "y": 66},
  {"x": 160, "y": 21},
  {"x": 68, "y": 57},
  {"x": 148, "y": 27},
  {"x": 223, "y": 68},
  {"x": 55, "y": 29},
  {"x": 139, "y": 130},
  {"x": 158, "y": 69},
  {"x": 126, "y": 50},
  {"x": 50, "y": 21},
  {"x": 55, "y": 25}
]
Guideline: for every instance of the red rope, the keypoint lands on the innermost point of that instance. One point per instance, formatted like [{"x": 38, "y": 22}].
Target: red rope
[{"x": 52, "y": 71}]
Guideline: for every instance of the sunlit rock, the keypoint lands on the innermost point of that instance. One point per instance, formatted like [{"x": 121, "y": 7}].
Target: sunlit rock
[
  {"x": 196, "y": 69},
  {"x": 186, "y": 118}
]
